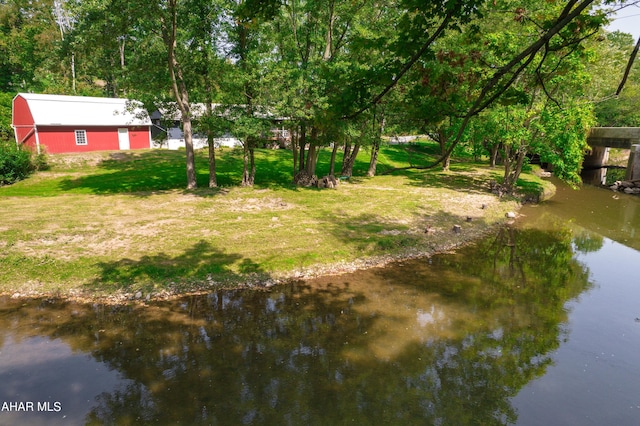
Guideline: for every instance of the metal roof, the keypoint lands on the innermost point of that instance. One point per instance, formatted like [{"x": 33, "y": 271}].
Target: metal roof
[
  {"x": 170, "y": 111},
  {"x": 61, "y": 110}
]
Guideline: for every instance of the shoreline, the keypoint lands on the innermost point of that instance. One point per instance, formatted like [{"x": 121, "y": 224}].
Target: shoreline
[
  {"x": 258, "y": 282},
  {"x": 75, "y": 233}
]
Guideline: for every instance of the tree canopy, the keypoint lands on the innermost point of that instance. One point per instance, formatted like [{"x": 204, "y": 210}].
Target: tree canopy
[{"x": 505, "y": 77}]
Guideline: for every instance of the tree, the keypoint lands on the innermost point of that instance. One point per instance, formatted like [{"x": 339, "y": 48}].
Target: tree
[
  {"x": 169, "y": 32},
  {"x": 564, "y": 140},
  {"x": 160, "y": 32},
  {"x": 519, "y": 75},
  {"x": 248, "y": 50},
  {"x": 306, "y": 42},
  {"x": 564, "y": 31},
  {"x": 321, "y": 63},
  {"x": 207, "y": 67},
  {"x": 103, "y": 44},
  {"x": 29, "y": 48},
  {"x": 328, "y": 53},
  {"x": 440, "y": 89},
  {"x": 614, "y": 110},
  {"x": 6, "y": 102}
]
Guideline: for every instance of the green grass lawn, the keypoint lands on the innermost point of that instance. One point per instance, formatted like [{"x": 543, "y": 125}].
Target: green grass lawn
[{"x": 123, "y": 222}]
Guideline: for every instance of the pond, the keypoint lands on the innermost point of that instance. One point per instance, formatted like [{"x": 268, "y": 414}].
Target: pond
[{"x": 537, "y": 324}]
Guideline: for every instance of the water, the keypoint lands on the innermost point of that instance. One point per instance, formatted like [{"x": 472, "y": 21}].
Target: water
[
  {"x": 535, "y": 325},
  {"x": 594, "y": 379},
  {"x": 595, "y": 375}
]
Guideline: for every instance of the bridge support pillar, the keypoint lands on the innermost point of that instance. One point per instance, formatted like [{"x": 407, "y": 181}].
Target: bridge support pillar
[
  {"x": 593, "y": 170},
  {"x": 633, "y": 166}
]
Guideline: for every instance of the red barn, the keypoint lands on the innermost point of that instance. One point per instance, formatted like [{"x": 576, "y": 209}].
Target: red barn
[{"x": 59, "y": 123}]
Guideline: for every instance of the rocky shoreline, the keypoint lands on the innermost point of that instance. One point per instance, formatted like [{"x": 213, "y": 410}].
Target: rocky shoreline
[{"x": 627, "y": 186}]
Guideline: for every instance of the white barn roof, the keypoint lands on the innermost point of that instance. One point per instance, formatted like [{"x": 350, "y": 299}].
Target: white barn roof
[
  {"x": 60, "y": 110},
  {"x": 170, "y": 110}
]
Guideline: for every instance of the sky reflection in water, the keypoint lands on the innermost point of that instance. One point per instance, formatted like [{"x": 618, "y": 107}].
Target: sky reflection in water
[{"x": 595, "y": 378}]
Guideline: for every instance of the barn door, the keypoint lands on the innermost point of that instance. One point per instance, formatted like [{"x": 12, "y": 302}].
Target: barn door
[{"x": 123, "y": 139}]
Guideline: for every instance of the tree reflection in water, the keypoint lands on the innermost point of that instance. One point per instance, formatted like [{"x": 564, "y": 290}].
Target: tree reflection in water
[{"x": 441, "y": 340}]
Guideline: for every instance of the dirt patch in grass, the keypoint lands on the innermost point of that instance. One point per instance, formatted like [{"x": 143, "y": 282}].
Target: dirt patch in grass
[
  {"x": 90, "y": 159},
  {"x": 256, "y": 204},
  {"x": 126, "y": 246}
]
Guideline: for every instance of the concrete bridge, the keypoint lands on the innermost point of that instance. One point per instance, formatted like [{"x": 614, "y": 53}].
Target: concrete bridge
[{"x": 600, "y": 139}]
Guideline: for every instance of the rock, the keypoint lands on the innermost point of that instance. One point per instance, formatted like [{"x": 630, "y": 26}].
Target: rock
[
  {"x": 303, "y": 179},
  {"x": 328, "y": 181},
  {"x": 511, "y": 215},
  {"x": 496, "y": 188},
  {"x": 628, "y": 187}
]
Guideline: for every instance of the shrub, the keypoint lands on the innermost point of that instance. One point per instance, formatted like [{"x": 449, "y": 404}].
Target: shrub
[{"x": 17, "y": 163}]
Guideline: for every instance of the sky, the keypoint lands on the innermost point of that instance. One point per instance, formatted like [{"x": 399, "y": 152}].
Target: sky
[{"x": 627, "y": 20}]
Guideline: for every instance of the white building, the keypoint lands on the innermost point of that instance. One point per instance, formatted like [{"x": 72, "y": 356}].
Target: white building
[{"x": 167, "y": 130}]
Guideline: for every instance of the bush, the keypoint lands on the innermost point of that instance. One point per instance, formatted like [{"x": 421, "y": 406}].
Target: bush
[{"x": 16, "y": 163}]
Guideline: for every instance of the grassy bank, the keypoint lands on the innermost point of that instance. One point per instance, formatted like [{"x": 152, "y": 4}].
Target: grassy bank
[{"x": 121, "y": 222}]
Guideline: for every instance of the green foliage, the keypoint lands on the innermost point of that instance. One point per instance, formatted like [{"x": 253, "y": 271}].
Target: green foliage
[
  {"x": 31, "y": 55},
  {"x": 607, "y": 70},
  {"x": 334, "y": 68},
  {"x": 15, "y": 163},
  {"x": 6, "y": 132},
  {"x": 564, "y": 140},
  {"x": 249, "y": 128}
]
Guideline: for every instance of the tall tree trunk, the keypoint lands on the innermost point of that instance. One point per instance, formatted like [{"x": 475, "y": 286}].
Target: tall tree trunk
[
  {"x": 312, "y": 155},
  {"x": 180, "y": 91},
  {"x": 332, "y": 163},
  {"x": 349, "y": 159},
  {"x": 213, "y": 182},
  {"x": 373, "y": 162},
  {"x": 307, "y": 166},
  {"x": 446, "y": 162},
  {"x": 329, "y": 39},
  {"x": 522, "y": 155},
  {"x": 121, "y": 45},
  {"x": 190, "y": 154},
  {"x": 446, "y": 156},
  {"x": 252, "y": 159},
  {"x": 310, "y": 167},
  {"x": 249, "y": 169},
  {"x": 346, "y": 153},
  {"x": 507, "y": 163},
  {"x": 245, "y": 164},
  {"x": 378, "y": 129},
  {"x": 513, "y": 163},
  {"x": 294, "y": 151},
  {"x": 302, "y": 145},
  {"x": 494, "y": 155}
]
